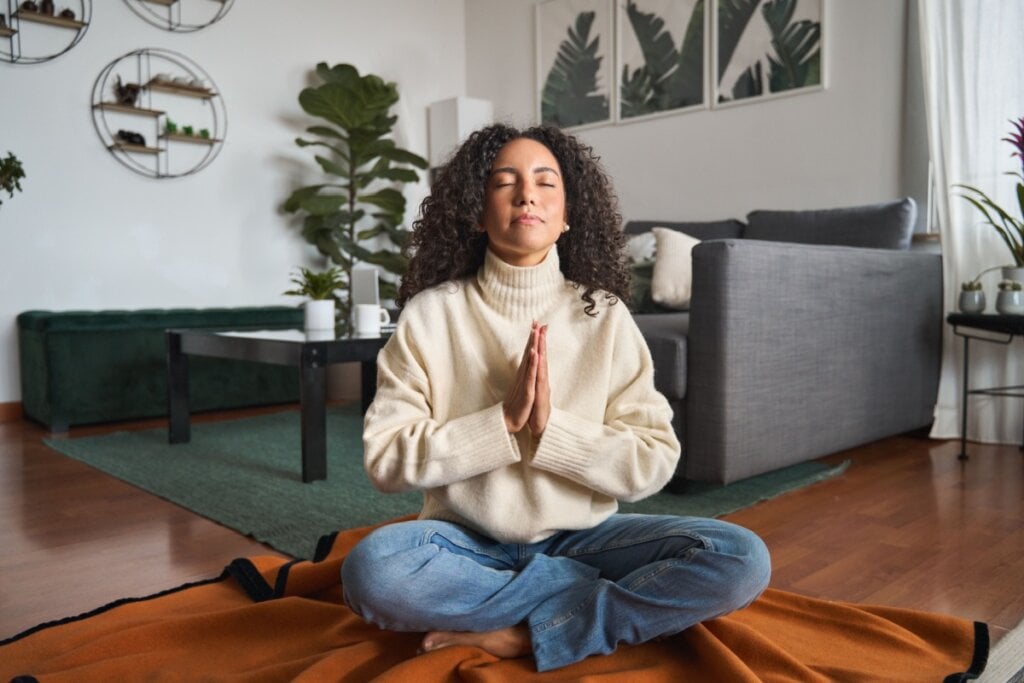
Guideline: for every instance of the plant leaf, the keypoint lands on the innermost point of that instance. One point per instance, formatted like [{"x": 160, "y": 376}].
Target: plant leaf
[
  {"x": 332, "y": 167},
  {"x": 733, "y": 17},
  {"x": 570, "y": 95}
]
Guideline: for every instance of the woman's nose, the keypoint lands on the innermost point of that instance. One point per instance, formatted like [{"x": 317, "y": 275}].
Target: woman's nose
[{"x": 526, "y": 193}]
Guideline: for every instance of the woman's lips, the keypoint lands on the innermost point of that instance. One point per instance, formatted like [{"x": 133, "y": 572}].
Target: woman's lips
[{"x": 527, "y": 219}]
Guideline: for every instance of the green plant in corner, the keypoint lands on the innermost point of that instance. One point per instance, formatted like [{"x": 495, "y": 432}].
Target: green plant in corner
[
  {"x": 1010, "y": 228},
  {"x": 11, "y": 173},
  {"x": 317, "y": 286},
  {"x": 339, "y": 217}
]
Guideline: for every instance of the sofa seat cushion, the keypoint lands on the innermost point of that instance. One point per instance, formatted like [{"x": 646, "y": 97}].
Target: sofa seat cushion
[
  {"x": 878, "y": 226},
  {"x": 665, "y": 334}
]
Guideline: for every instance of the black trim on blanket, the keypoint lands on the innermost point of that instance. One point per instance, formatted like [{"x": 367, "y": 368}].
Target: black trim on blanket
[
  {"x": 250, "y": 580},
  {"x": 109, "y": 606},
  {"x": 980, "y": 658},
  {"x": 282, "y": 578},
  {"x": 324, "y": 546}
]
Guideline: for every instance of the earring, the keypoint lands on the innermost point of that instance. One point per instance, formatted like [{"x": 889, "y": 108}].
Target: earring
[{"x": 566, "y": 228}]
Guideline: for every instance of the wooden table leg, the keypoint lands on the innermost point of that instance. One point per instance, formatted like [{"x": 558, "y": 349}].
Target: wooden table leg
[
  {"x": 313, "y": 395},
  {"x": 179, "y": 428}
]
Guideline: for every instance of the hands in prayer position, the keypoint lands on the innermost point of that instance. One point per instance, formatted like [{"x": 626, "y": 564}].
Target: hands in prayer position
[{"x": 529, "y": 400}]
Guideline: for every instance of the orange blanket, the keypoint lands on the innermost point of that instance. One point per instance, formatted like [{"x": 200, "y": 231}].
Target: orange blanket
[{"x": 267, "y": 619}]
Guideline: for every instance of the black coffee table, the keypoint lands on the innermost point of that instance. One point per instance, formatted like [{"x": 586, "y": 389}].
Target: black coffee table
[
  {"x": 999, "y": 329},
  {"x": 282, "y": 347}
]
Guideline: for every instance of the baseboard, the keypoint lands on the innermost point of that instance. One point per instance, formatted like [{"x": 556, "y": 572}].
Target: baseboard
[{"x": 11, "y": 412}]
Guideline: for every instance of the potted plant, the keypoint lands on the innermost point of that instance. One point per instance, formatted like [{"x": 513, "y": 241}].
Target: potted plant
[
  {"x": 361, "y": 200},
  {"x": 320, "y": 288},
  {"x": 1009, "y": 227},
  {"x": 1010, "y": 300},
  {"x": 11, "y": 172}
]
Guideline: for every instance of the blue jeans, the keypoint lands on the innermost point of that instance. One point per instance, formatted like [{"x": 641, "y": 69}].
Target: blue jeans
[{"x": 627, "y": 580}]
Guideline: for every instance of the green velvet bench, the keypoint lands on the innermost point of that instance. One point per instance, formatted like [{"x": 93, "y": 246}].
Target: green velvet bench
[{"x": 84, "y": 367}]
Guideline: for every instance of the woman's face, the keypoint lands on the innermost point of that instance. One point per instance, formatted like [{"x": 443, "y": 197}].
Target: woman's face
[{"x": 524, "y": 205}]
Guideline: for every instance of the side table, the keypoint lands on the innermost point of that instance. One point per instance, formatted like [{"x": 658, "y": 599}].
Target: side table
[{"x": 1001, "y": 329}]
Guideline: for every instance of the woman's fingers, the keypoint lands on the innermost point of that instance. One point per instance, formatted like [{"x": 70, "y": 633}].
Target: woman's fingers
[
  {"x": 519, "y": 401},
  {"x": 541, "y": 409}
]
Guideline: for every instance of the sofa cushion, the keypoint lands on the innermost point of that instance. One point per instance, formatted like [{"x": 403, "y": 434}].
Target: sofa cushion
[
  {"x": 702, "y": 230},
  {"x": 665, "y": 334},
  {"x": 879, "y": 226},
  {"x": 673, "y": 270}
]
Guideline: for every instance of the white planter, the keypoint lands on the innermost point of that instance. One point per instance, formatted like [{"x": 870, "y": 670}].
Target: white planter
[
  {"x": 1009, "y": 302},
  {"x": 320, "y": 315},
  {"x": 972, "y": 301},
  {"x": 1013, "y": 273}
]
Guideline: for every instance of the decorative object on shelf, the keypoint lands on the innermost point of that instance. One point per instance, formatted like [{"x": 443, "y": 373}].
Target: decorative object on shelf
[
  {"x": 180, "y": 16},
  {"x": 363, "y": 156},
  {"x": 11, "y": 173},
  {"x": 1009, "y": 227},
  {"x": 187, "y": 130},
  {"x": 34, "y": 32},
  {"x": 166, "y": 82},
  {"x": 204, "y": 133},
  {"x": 131, "y": 137},
  {"x": 1010, "y": 300},
  {"x": 972, "y": 297},
  {"x": 126, "y": 93},
  {"x": 321, "y": 289}
]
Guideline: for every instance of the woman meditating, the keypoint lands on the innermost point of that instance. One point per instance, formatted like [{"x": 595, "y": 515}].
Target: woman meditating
[{"x": 518, "y": 394}]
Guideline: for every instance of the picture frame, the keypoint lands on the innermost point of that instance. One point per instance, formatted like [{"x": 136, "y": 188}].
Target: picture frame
[
  {"x": 765, "y": 50},
  {"x": 575, "y": 74},
  {"x": 661, "y": 57}
]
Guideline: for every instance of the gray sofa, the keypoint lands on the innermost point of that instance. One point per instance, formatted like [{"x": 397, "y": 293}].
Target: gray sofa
[{"x": 807, "y": 333}]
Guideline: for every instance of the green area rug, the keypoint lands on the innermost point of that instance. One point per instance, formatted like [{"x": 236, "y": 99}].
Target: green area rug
[{"x": 246, "y": 475}]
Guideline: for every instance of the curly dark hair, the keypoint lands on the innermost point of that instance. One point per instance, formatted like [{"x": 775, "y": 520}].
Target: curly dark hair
[{"x": 447, "y": 245}]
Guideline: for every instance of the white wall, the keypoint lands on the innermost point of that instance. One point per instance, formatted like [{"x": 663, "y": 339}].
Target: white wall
[
  {"x": 87, "y": 233},
  {"x": 837, "y": 147}
]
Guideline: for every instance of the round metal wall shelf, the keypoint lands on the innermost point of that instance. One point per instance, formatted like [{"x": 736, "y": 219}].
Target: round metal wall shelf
[
  {"x": 181, "y": 16},
  {"x": 33, "y": 31},
  {"x": 159, "y": 113}
]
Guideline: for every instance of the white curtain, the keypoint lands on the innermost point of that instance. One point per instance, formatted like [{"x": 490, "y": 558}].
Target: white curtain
[{"x": 973, "y": 61}]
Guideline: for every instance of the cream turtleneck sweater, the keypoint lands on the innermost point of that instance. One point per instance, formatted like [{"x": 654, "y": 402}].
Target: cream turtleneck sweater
[{"x": 437, "y": 424}]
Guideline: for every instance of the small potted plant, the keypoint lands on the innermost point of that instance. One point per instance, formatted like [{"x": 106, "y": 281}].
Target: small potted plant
[
  {"x": 320, "y": 288},
  {"x": 972, "y": 297},
  {"x": 11, "y": 173},
  {"x": 187, "y": 130},
  {"x": 1010, "y": 300},
  {"x": 170, "y": 127}
]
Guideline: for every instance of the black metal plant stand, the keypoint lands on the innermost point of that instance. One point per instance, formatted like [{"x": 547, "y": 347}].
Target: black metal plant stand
[{"x": 999, "y": 329}]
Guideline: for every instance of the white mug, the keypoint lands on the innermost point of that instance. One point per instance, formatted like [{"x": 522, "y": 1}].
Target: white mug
[{"x": 369, "y": 318}]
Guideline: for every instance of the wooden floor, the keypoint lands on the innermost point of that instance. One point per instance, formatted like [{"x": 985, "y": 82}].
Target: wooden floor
[{"x": 907, "y": 525}]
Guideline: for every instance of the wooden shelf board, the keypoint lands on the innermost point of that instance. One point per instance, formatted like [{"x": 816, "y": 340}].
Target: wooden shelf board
[
  {"x": 39, "y": 17},
  {"x": 124, "y": 146},
  {"x": 201, "y": 93},
  {"x": 180, "y": 137},
  {"x": 165, "y": 3},
  {"x": 7, "y": 32},
  {"x": 115, "y": 106}
]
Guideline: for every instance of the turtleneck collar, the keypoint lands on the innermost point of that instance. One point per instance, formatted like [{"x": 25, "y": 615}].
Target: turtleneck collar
[{"x": 520, "y": 292}]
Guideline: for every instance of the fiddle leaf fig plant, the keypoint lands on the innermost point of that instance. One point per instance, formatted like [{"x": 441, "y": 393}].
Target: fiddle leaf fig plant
[
  {"x": 361, "y": 200},
  {"x": 11, "y": 173}
]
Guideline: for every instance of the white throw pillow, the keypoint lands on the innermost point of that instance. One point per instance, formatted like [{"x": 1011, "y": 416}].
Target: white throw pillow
[
  {"x": 673, "y": 268},
  {"x": 640, "y": 248}
]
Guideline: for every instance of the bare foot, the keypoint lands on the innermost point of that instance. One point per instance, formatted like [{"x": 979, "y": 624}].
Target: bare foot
[{"x": 505, "y": 643}]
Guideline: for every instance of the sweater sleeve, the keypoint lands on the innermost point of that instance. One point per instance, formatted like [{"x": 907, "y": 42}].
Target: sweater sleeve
[
  {"x": 405, "y": 448},
  {"x": 631, "y": 454}
]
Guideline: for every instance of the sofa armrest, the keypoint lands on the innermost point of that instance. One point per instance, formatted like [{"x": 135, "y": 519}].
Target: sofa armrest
[{"x": 798, "y": 351}]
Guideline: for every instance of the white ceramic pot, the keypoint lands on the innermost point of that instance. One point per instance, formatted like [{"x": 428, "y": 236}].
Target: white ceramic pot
[
  {"x": 1013, "y": 273},
  {"x": 320, "y": 315},
  {"x": 1010, "y": 302},
  {"x": 972, "y": 301}
]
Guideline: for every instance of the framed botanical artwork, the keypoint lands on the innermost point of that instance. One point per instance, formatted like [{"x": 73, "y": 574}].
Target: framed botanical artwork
[
  {"x": 661, "y": 56},
  {"x": 767, "y": 48},
  {"x": 574, "y": 64}
]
